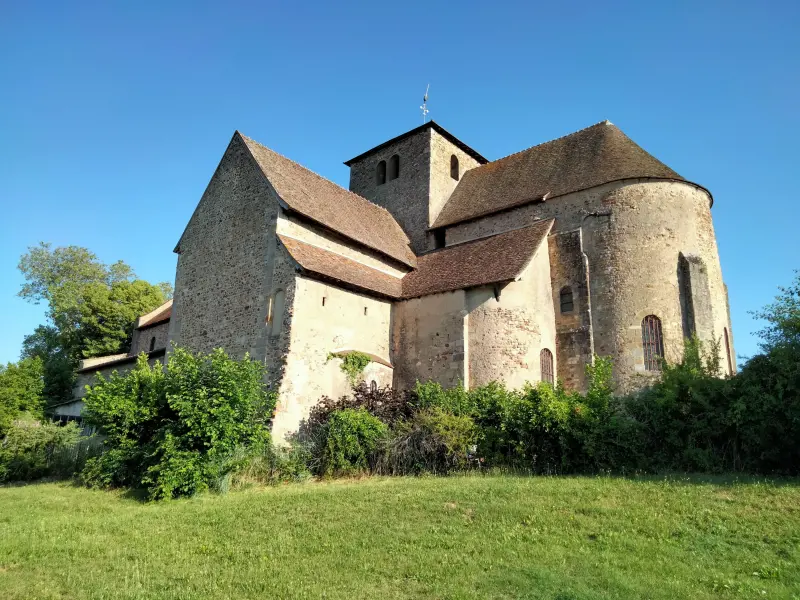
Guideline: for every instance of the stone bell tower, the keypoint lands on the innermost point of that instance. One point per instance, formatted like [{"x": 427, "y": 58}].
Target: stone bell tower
[{"x": 412, "y": 176}]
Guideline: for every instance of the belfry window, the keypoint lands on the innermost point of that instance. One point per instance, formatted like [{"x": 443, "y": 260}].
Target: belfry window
[
  {"x": 566, "y": 302},
  {"x": 454, "y": 167},
  {"x": 152, "y": 343},
  {"x": 728, "y": 350},
  {"x": 394, "y": 168},
  {"x": 380, "y": 173},
  {"x": 652, "y": 343},
  {"x": 546, "y": 362}
]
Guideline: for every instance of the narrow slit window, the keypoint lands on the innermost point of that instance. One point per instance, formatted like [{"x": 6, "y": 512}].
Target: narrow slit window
[
  {"x": 454, "y": 167},
  {"x": 546, "y": 362},
  {"x": 567, "y": 303},
  {"x": 365, "y": 311},
  {"x": 380, "y": 173},
  {"x": 652, "y": 343},
  {"x": 323, "y": 301},
  {"x": 152, "y": 343}
]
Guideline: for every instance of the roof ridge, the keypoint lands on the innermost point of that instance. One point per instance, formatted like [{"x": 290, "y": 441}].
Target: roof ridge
[
  {"x": 603, "y": 122},
  {"x": 294, "y": 162}
]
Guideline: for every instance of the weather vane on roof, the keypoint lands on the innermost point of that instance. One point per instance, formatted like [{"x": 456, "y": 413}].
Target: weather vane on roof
[{"x": 424, "y": 107}]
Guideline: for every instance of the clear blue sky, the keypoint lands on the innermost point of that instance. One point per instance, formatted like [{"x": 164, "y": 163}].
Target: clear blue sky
[{"x": 114, "y": 115}]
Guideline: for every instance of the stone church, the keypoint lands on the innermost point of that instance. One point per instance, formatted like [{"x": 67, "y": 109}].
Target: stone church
[{"x": 442, "y": 265}]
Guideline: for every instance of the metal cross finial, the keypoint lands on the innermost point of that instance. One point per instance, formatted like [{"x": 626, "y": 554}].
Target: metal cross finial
[{"x": 424, "y": 107}]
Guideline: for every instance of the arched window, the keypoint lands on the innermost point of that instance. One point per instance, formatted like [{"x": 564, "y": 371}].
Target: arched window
[
  {"x": 454, "y": 167},
  {"x": 652, "y": 343},
  {"x": 152, "y": 343},
  {"x": 394, "y": 168},
  {"x": 373, "y": 386},
  {"x": 546, "y": 361},
  {"x": 380, "y": 173},
  {"x": 278, "y": 301},
  {"x": 728, "y": 351},
  {"x": 565, "y": 297}
]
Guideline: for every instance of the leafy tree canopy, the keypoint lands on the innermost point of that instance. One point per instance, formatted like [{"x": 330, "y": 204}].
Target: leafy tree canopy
[
  {"x": 21, "y": 386},
  {"x": 91, "y": 309},
  {"x": 782, "y": 317}
]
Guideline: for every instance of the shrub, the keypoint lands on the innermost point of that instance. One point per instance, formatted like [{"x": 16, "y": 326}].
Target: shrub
[
  {"x": 535, "y": 429},
  {"x": 33, "y": 449},
  {"x": 352, "y": 365},
  {"x": 434, "y": 441},
  {"x": 269, "y": 465},
  {"x": 386, "y": 404},
  {"x": 456, "y": 400},
  {"x": 351, "y": 439},
  {"x": 173, "y": 431}
]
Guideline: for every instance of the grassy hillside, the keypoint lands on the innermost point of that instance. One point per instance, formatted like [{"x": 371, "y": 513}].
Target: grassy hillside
[{"x": 460, "y": 537}]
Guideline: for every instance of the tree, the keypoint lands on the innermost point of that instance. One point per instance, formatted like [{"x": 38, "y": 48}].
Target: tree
[
  {"x": 21, "y": 386},
  {"x": 782, "y": 317},
  {"x": 91, "y": 310},
  {"x": 58, "y": 366}
]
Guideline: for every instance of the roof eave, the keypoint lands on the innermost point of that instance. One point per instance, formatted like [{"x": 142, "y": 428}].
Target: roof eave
[{"x": 548, "y": 198}]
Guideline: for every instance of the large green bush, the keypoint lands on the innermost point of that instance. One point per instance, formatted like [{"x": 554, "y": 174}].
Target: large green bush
[
  {"x": 433, "y": 441},
  {"x": 172, "y": 431},
  {"x": 351, "y": 440},
  {"x": 32, "y": 449}
]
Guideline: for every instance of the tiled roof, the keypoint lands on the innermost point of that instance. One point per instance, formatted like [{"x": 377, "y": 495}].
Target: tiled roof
[
  {"x": 587, "y": 158},
  {"x": 494, "y": 259},
  {"x": 338, "y": 268},
  {"x": 330, "y": 205},
  {"x": 160, "y": 315},
  {"x": 501, "y": 257}
]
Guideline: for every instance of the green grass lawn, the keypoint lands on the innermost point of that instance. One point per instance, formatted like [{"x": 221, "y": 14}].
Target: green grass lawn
[{"x": 459, "y": 537}]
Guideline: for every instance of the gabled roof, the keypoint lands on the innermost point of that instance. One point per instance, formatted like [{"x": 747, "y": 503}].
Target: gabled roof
[
  {"x": 429, "y": 125},
  {"x": 337, "y": 268},
  {"x": 587, "y": 158},
  {"x": 495, "y": 259},
  {"x": 160, "y": 315},
  {"x": 332, "y": 206}
]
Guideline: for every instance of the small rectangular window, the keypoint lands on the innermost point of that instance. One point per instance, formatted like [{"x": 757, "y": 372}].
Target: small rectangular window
[
  {"x": 365, "y": 311},
  {"x": 439, "y": 238}
]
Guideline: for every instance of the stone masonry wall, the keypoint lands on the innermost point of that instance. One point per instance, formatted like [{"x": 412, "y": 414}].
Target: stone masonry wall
[
  {"x": 428, "y": 340},
  {"x": 406, "y": 197},
  {"x": 344, "y": 321},
  {"x": 507, "y": 333},
  {"x": 142, "y": 337},
  {"x": 441, "y": 183},
  {"x": 573, "y": 329},
  {"x": 224, "y": 266},
  {"x": 632, "y": 233},
  {"x": 634, "y": 263}
]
